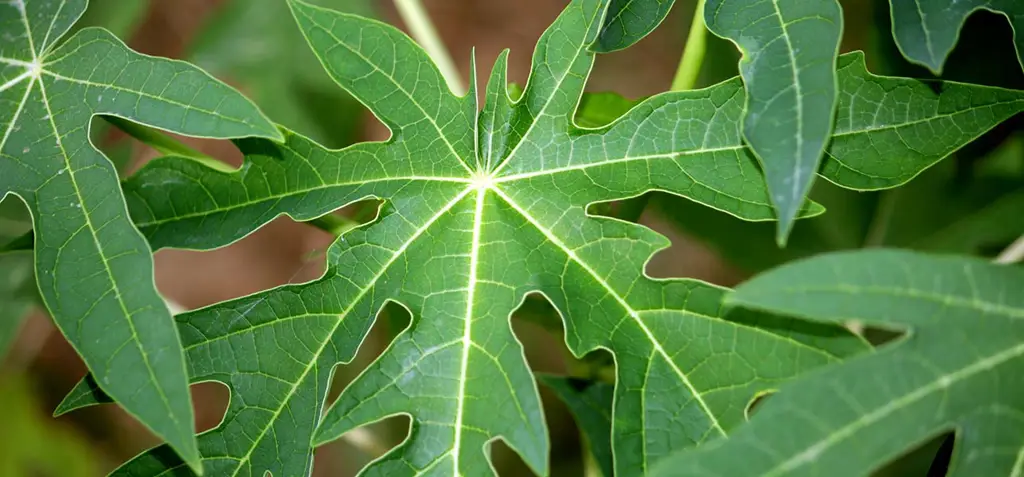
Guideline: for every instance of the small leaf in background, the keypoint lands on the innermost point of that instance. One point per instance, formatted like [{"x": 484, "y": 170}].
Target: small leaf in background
[
  {"x": 94, "y": 269},
  {"x": 788, "y": 67},
  {"x": 590, "y": 403},
  {"x": 956, "y": 368},
  {"x": 17, "y": 287},
  {"x": 926, "y": 31},
  {"x": 254, "y": 44}
]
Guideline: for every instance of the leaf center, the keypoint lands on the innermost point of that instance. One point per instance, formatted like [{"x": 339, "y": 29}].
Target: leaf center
[{"x": 482, "y": 180}]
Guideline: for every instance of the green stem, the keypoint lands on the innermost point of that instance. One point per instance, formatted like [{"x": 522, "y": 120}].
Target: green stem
[
  {"x": 693, "y": 52},
  {"x": 879, "y": 228},
  {"x": 333, "y": 224},
  {"x": 416, "y": 18}
]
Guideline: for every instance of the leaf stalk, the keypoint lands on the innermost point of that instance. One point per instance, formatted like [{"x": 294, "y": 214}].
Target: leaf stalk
[
  {"x": 423, "y": 31},
  {"x": 693, "y": 52}
]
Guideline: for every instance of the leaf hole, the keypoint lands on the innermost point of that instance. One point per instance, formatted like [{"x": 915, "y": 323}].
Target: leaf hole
[{"x": 210, "y": 401}]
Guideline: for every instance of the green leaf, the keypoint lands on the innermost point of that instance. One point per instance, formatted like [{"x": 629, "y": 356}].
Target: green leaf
[
  {"x": 890, "y": 129},
  {"x": 957, "y": 368},
  {"x": 628, "y": 21},
  {"x": 460, "y": 247},
  {"x": 94, "y": 269},
  {"x": 243, "y": 37},
  {"x": 788, "y": 66},
  {"x": 926, "y": 31},
  {"x": 480, "y": 209},
  {"x": 590, "y": 403}
]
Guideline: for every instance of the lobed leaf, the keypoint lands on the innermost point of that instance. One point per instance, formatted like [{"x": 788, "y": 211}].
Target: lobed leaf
[
  {"x": 481, "y": 209},
  {"x": 628, "y": 21},
  {"x": 926, "y": 31},
  {"x": 956, "y": 368},
  {"x": 94, "y": 270},
  {"x": 788, "y": 66},
  {"x": 478, "y": 213}
]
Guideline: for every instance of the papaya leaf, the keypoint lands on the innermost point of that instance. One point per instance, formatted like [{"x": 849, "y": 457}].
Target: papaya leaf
[
  {"x": 956, "y": 368},
  {"x": 788, "y": 66},
  {"x": 94, "y": 269},
  {"x": 481, "y": 208},
  {"x": 628, "y": 21},
  {"x": 926, "y": 31}
]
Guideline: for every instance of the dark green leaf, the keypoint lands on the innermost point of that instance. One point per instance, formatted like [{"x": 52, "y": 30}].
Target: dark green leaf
[
  {"x": 957, "y": 368},
  {"x": 927, "y": 30},
  {"x": 94, "y": 270},
  {"x": 789, "y": 56},
  {"x": 590, "y": 403}
]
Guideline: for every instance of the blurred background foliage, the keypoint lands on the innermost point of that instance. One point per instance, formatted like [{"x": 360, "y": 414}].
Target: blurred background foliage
[{"x": 967, "y": 204}]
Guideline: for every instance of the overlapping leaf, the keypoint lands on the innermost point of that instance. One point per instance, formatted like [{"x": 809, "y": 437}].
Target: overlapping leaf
[
  {"x": 478, "y": 213},
  {"x": 926, "y": 31},
  {"x": 245, "y": 36},
  {"x": 93, "y": 268},
  {"x": 789, "y": 57},
  {"x": 958, "y": 368},
  {"x": 480, "y": 210}
]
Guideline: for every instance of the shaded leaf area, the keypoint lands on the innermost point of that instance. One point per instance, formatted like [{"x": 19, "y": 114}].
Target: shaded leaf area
[
  {"x": 33, "y": 444},
  {"x": 480, "y": 210},
  {"x": 958, "y": 367},
  {"x": 788, "y": 67},
  {"x": 590, "y": 403},
  {"x": 927, "y": 31},
  {"x": 946, "y": 209},
  {"x": 245, "y": 36},
  {"x": 94, "y": 269},
  {"x": 628, "y": 21},
  {"x": 17, "y": 286}
]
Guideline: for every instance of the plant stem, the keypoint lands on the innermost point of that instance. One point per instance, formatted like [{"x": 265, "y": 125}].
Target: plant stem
[
  {"x": 416, "y": 18},
  {"x": 879, "y": 226},
  {"x": 693, "y": 52},
  {"x": 1013, "y": 254}
]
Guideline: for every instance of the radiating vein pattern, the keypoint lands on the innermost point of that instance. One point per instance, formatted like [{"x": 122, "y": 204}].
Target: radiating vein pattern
[
  {"x": 94, "y": 269},
  {"x": 958, "y": 369},
  {"x": 480, "y": 210}
]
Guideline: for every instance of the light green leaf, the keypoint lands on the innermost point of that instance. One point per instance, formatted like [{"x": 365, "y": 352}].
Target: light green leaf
[
  {"x": 788, "y": 66},
  {"x": 927, "y": 30},
  {"x": 958, "y": 368},
  {"x": 94, "y": 270}
]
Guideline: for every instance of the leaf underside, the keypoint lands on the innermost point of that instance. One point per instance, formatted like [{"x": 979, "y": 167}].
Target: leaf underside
[
  {"x": 927, "y": 31},
  {"x": 94, "y": 270},
  {"x": 788, "y": 67},
  {"x": 957, "y": 368},
  {"x": 480, "y": 209}
]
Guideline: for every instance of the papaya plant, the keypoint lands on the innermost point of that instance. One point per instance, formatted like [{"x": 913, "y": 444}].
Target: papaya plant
[{"x": 494, "y": 196}]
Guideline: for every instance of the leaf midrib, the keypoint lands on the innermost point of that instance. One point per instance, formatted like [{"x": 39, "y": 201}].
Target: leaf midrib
[
  {"x": 341, "y": 318},
  {"x": 943, "y": 382}
]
